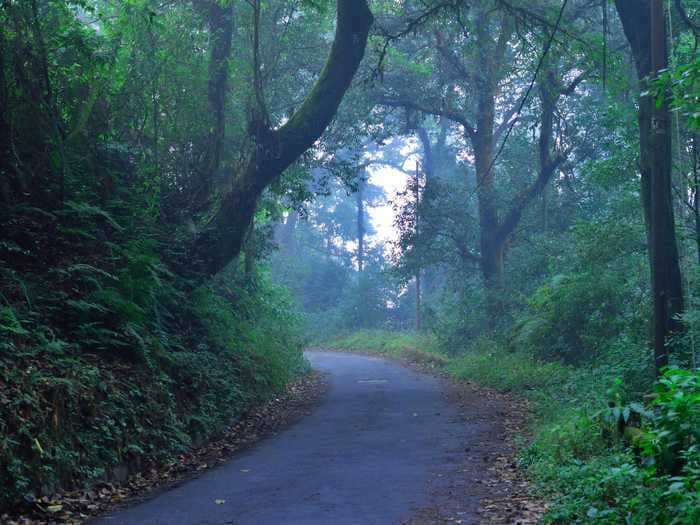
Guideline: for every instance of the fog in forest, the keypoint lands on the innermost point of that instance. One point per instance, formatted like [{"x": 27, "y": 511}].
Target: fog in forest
[{"x": 402, "y": 240}]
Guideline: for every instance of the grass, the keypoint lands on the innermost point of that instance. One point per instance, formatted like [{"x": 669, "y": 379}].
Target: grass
[
  {"x": 398, "y": 345},
  {"x": 508, "y": 371},
  {"x": 380, "y": 341}
]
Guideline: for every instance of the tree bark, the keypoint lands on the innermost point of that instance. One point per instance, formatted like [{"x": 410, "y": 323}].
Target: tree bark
[
  {"x": 220, "y": 22},
  {"x": 644, "y": 24},
  {"x": 360, "y": 225},
  {"x": 483, "y": 141},
  {"x": 268, "y": 152},
  {"x": 286, "y": 235},
  {"x": 495, "y": 224},
  {"x": 249, "y": 254},
  {"x": 696, "y": 195},
  {"x": 418, "y": 301},
  {"x": 418, "y": 265}
]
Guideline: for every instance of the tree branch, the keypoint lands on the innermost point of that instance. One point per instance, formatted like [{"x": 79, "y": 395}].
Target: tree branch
[
  {"x": 571, "y": 87},
  {"x": 695, "y": 28},
  {"x": 507, "y": 120},
  {"x": 450, "y": 57},
  {"x": 448, "y": 113},
  {"x": 318, "y": 109},
  {"x": 524, "y": 198},
  {"x": 412, "y": 25},
  {"x": 268, "y": 152}
]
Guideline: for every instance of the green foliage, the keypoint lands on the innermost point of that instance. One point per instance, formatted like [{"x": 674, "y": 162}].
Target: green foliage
[
  {"x": 68, "y": 417},
  {"x": 590, "y": 472},
  {"x": 515, "y": 371},
  {"x": 112, "y": 351},
  {"x": 672, "y": 441},
  {"x": 315, "y": 262},
  {"x": 578, "y": 459},
  {"x": 410, "y": 346},
  {"x": 651, "y": 476},
  {"x": 381, "y": 341},
  {"x": 575, "y": 315},
  {"x": 680, "y": 85},
  {"x": 119, "y": 361}
]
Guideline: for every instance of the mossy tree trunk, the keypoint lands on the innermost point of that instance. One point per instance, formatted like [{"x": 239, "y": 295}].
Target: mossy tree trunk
[{"x": 268, "y": 151}]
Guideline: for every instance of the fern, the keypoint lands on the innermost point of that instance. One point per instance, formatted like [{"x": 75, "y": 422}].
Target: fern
[
  {"x": 83, "y": 210},
  {"x": 9, "y": 322}
]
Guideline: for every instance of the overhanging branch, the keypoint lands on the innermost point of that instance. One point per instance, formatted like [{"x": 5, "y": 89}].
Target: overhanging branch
[{"x": 448, "y": 113}]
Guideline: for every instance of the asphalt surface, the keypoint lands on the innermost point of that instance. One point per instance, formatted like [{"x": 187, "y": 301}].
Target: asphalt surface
[{"x": 371, "y": 453}]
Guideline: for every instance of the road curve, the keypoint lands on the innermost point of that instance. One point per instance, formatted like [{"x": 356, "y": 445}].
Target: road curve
[{"x": 371, "y": 453}]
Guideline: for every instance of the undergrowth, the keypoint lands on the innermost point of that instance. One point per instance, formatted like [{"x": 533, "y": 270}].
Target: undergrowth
[
  {"x": 381, "y": 342},
  {"x": 108, "y": 358}
]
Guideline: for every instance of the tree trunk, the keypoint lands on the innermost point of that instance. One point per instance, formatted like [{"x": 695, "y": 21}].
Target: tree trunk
[
  {"x": 418, "y": 262},
  {"x": 696, "y": 195},
  {"x": 287, "y": 235},
  {"x": 644, "y": 25},
  {"x": 249, "y": 254},
  {"x": 495, "y": 230},
  {"x": 220, "y": 22},
  {"x": 418, "y": 301},
  {"x": 360, "y": 225},
  {"x": 491, "y": 246}
]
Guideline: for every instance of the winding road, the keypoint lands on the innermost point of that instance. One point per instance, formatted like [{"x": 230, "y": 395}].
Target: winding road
[{"x": 385, "y": 446}]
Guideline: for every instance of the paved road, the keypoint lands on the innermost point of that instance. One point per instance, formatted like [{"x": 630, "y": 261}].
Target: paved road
[{"x": 369, "y": 454}]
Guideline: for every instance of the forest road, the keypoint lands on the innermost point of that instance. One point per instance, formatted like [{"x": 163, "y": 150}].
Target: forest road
[{"x": 385, "y": 446}]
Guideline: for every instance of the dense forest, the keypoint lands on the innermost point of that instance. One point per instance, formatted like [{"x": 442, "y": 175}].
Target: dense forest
[{"x": 194, "y": 191}]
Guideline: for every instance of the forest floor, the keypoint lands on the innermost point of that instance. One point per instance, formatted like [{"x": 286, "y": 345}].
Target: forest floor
[{"x": 388, "y": 444}]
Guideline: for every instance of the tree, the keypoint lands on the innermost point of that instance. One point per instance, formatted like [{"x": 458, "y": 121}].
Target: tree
[
  {"x": 267, "y": 151},
  {"x": 472, "y": 94},
  {"x": 219, "y": 18},
  {"x": 645, "y": 27}
]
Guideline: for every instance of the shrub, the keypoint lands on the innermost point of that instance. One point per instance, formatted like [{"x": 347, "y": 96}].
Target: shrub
[
  {"x": 650, "y": 477},
  {"x": 106, "y": 357}
]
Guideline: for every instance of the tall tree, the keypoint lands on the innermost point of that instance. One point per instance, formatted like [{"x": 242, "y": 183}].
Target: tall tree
[
  {"x": 645, "y": 27},
  {"x": 219, "y": 18},
  {"x": 361, "y": 227},
  {"x": 472, "y": 95}
]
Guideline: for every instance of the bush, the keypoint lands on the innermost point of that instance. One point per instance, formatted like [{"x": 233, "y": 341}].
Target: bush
[
  {"x": 647, "y": 476},
  {"x": 106, "y": 357}
]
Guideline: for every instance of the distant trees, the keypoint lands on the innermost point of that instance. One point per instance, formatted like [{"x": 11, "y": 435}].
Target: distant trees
[
  {"x": 476, "y": 68},
  {"x": 340, "y": 283}
]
